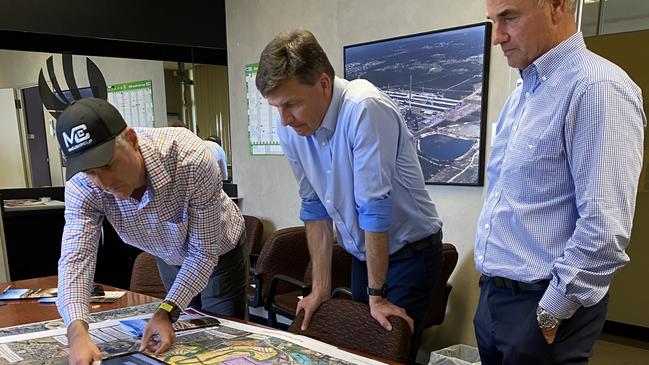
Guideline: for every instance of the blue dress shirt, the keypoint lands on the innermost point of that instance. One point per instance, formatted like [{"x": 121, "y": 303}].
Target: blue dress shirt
[
  {"x": 562, "y": 178},
  {"x": 360, "y": 169}
]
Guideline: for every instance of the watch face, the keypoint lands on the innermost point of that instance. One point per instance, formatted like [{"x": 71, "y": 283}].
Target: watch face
[
  {"x": 547, "y": 320},
  {"x": 172, "y": 310}
]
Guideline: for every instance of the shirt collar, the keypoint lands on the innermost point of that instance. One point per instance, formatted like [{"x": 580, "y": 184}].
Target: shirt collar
[
  {"x": 328, "y": 126},
  {"x": 552, "y": 60}
]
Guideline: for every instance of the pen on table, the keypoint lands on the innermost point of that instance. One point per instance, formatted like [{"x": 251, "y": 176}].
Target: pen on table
[{"x": 7, "y": 288}]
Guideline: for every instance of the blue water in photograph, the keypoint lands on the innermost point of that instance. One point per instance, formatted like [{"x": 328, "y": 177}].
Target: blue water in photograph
[{"x": 441, "y": 147}]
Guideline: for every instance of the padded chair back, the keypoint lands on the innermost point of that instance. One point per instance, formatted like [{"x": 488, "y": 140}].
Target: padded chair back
[
  {"x": 254, "y": 233},
  {"x": 437, "y": 309},
  {"x": 145, "y": 278},
  {"x": 285, "y": 252},
  {"x": 285, "y": 304},
  {"x": 349, "y": 324},
  {"x": 341, "y": 268}
]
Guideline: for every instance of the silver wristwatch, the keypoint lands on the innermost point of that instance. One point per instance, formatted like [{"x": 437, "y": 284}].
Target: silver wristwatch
[{"x": 547, "y": 320}]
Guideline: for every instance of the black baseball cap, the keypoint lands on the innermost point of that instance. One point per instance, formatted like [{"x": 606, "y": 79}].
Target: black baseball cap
[{"x": 86, "y": 131}]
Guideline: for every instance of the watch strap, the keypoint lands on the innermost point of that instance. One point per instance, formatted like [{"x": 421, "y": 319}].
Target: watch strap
[
  {"x": 172, "y": 310},
  {"x": 378, "y": 292}
]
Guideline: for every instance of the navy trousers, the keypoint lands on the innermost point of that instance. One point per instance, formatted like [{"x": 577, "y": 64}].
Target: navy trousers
[
  {"x": 225, "y": 292},
  {"x": 411, "y": 280},
  {"x": 508, "y": 332}
]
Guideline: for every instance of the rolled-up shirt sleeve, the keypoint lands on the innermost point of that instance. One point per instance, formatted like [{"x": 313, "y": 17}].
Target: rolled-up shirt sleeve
[
  {"x": 605, "y": 162},
  {"x": 76, "y": 267},
  {"x": 375, "y": 146}
]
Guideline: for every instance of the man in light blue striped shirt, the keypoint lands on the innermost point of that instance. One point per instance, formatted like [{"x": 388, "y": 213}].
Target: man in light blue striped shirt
[
  {"x": 562, "y": 180},
  {"x": 356, "y": 165}
]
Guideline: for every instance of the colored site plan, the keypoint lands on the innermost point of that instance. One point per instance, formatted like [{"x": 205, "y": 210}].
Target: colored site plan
[{"x": 230, "y": 343}]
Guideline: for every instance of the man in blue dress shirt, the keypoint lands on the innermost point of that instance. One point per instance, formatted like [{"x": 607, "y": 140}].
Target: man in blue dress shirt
[
  {"x": 356, "y": 165},
  {"x": 562, "y": 180}
]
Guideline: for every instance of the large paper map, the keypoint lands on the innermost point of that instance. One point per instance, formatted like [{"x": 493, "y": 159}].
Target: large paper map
[{"x": 231, "y": 343}]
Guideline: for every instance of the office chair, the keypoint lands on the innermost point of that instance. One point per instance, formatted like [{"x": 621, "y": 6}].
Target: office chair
[
  {"x": 285, "y": 252},
  {"x": 349, "y": 324},
  {"x": 145, "y": 277},
  {"x": 437, "y": 309},
  {"x": 285, "y": 304},
  {"x": 254, "y": 234}
]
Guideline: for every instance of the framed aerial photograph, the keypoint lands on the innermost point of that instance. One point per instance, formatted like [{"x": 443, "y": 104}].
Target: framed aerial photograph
[{"x": 439, "y": 80}]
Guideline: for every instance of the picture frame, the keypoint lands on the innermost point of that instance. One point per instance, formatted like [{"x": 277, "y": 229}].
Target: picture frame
[{"x": 439, "y": 80}]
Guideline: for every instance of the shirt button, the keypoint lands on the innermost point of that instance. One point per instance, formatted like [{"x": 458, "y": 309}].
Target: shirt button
[
  {"x": 329, "y": 171},
  {"x": 544, "y": 78},
  {"x": 324, "y": 143},
  {"x": 497, "y": 194},
  {"x": 515, "y": 127},
  {"x": 486, "y": 226},
  {"x": 527, "y": 94},
  {"x": 328, "y": 201},
  {"x": 480, "y": 258}
]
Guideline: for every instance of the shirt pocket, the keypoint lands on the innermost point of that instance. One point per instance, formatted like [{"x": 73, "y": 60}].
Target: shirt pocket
[
  {"x": 535, "y": 167},
  {"x": 533, "y": 148},
  {"x": 522, "y": 148}
]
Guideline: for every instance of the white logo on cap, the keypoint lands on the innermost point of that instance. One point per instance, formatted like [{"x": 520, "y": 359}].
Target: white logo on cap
[{"x": 78, "y": 135}]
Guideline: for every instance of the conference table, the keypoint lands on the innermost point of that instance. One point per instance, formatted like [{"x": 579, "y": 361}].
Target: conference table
[{"x": 24, "y": 311}]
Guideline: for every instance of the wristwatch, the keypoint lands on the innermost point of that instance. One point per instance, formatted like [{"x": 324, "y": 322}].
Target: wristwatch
[
  {"x": 172, "y": 310},
  {"x": 547, "y": 321},
  {"x": 378, "y": 292}
]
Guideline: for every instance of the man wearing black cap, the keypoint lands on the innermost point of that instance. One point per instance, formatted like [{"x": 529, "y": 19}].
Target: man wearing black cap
[{"x": 157, "y": 189}]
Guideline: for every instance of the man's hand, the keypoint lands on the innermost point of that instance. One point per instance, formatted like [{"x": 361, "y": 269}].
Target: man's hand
[
  {"x": 381, "y": 309},
  {"x": 309, "y": 305},
  {"x": 550, "y": 334},
  {"x": 158, "y": 334},
  {"x": 82, "y": 350}
]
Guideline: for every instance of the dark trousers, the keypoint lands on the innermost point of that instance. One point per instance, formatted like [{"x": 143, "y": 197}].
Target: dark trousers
[
  {"x": 508, "y": 332},
  {"x": 413, "y": 273},
  {"x": 225, "y": 293}
]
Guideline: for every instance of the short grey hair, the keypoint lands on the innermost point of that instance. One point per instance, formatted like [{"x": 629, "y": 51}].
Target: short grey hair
[
  {"x": 296, "y": 54},
  {"x": 570, "y": 4}
]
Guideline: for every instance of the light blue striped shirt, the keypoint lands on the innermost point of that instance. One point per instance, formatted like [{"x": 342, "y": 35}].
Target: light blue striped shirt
[
  {"x": 562, "y": 178},
  {"x": 360, "y": 169}
]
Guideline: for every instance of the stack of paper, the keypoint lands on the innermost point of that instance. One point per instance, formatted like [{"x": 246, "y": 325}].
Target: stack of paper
[
  {"x": 28, "y": 293},
  {"x": 187, "y": 321}
]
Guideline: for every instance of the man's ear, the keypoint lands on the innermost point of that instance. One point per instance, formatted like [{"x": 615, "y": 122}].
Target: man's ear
[
  {"x": 558, "y": 9},
  {"x": 131, "y": 137},
  {"x": 325, "y": 83}
]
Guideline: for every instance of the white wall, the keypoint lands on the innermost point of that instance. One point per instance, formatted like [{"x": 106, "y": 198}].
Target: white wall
[
  {"x": 20, "y": 69},
  {"x": 266, "y": 183},
  {"x": 12, "y": 172}
]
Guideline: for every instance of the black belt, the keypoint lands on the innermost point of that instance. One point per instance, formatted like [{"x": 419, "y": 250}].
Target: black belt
[
  {"x": 500, "y": 282},
  {"x": 411, "y": 249}
]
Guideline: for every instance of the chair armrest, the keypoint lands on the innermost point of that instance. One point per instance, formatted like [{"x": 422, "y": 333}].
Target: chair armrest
[
  {"x": 341, "y": 291},
  {"x": 253, "y": 259},
  {"x": 272, "y": 289},
  {"x": 258, "y": 299}
]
